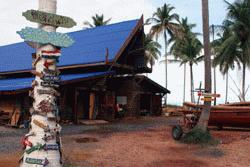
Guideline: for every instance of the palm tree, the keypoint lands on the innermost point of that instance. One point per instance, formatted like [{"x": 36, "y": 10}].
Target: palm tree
[
  {"x": 152, "y": 50},
  {"x": 98, "y": 20},
  {"x": 203, "y": 120},
  {"x": 236, "y": 47},
  {"x": 187, "y": 49},
  {"x": 223, "y": 61},
  {"x": 163, "y": 20}
]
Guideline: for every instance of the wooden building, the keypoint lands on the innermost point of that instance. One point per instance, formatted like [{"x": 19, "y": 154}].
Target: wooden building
[{"x": 100, "y": 76}]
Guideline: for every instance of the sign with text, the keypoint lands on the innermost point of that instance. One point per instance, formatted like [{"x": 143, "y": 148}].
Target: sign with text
[
  {"x": 43, "y": 37},
  {"x": 49, "y": 19}
]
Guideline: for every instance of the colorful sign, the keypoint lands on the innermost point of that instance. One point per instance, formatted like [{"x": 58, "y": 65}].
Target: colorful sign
[
  {"x": 49, "y": 18},
  {"x": 208, "y": 99},
  {"x": 43, "y": 162},
  {"x": 49, "y": 92},
  {"x": 49, "y": 78},
  {"x": 51, "y": 72},
  {"x": 56, "y": 52},
  {"x": 208, "y": 94},
  {"x": 40, "y": 124},
  {"x": 50, "y": 84},
  {"x": 56, "y": 58},
  {"x": 43, "y": 37},
  {"x": 34, "y": 148},
  {"x": 46, "y": 106},
  {"x": 51, "y": 147}
]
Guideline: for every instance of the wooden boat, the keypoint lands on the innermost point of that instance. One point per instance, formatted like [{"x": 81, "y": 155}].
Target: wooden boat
[{"x": 231, "y": 115}]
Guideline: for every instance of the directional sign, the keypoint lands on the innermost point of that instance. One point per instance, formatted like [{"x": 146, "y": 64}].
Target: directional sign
[
  {"x": 51, "y": 72},
  {"x": 43, "y": 37},
  {"x": 50, "y": 84},
  {"x": 51, "y": 147},
  {"x": 49, "y": 18},
  {"x": 207, "y": 99},
  {"x": 56, "y": 52},
  {"x": 55, "y": 58},
  {"x": 49, "y": 92},
  {"x": 208, "y": 94},
  {"x": 48, "y": 78},
  {"x": 43, "y": 162}
]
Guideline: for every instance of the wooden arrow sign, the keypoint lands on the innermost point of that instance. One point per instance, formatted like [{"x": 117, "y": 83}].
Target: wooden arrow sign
[
  {"x": 43, "y": 37},
  {"x": 49, "y": 18}
]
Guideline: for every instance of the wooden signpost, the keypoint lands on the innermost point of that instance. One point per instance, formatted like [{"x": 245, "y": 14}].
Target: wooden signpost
[
  {"x": 43, "y": 37},
  {"x": 49, "y": 18},
  {"x": 47, "y": 43}
]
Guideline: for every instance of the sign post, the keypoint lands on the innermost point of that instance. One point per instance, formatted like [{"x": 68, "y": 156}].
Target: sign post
[{"x": 43, "y": 148}]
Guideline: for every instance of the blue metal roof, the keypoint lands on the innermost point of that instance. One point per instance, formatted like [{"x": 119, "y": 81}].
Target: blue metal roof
[
  {"x": 23, "y": 83},
  {"x": 89, "y": 47}
]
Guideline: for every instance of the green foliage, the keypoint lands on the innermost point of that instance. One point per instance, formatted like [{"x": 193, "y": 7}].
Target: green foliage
[
  {"x": 186, "y": 47},
  {"x": 152, "y": 50},
  {"x": 198, "y": 136},
  {"x": 163, "y": 20},
  {"x": 98, "y": 20}
]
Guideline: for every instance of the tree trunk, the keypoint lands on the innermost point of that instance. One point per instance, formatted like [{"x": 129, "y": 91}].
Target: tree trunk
[
  {"x": 243, "y": 81},
  {"x": 226, "y": 88},
  {"x": 184, "y": 87},
  {"x": 44, "y": 132},
  {"x": 203, "y": 121},
  {"x": 192, "y": 83},
  {"x": 166, "y": 64}
]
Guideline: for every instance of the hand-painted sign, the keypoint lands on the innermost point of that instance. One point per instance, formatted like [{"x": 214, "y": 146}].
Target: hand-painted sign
[
  {"x": 208, "y": 94},
  {"x": 51, "y": 72},
  {"x": 46, "y": 106},
  {"x": 49, "y": 92},
  {"x": 56, "y": 58},
  {"x": 34, "y": 148},
  {"x": 208, "y": 99},
  {"x": 43, "y": 37},
  {"x": 48, "y": 78},
  {"x": 56, "y": 52},
  {"x": 43, "y": 162},
  {"x": 47, "y": 64},
  {"x": 40, "y": 124},
  {"x": 51, "y": 147},
  {"x": 50, "y": 84},
  {"x": 49, "y": 18}
]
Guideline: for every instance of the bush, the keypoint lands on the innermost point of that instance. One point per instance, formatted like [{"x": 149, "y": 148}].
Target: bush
[{"x": 198, "y": 136}]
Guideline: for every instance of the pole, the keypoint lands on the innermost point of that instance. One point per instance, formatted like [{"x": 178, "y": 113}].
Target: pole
[
  {"x": 214, "y": 69},
  {"x": 43, "y": 137},
  {"x": 203, "y": 121}
]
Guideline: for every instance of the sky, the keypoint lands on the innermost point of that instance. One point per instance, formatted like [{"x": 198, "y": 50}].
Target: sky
[{"x": 11, "y": 20}]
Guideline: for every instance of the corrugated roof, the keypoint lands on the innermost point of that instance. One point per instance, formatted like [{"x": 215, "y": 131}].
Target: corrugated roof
[
  {"x": 89, "y": 47},
  {"x": 23, "y": 83}
]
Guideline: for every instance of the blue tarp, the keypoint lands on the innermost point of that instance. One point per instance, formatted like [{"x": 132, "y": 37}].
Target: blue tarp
[
  {"x": 23, "y": 83},
  {"x": 89, "y": 47}
]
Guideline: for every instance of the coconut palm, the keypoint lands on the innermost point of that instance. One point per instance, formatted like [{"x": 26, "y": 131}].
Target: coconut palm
[
  {"x": 236, "y": 47},
  {"x": 187, "y": 49},
  {"x": 223, "y": 61},
  {"x": 98, "y": 20},
  {"x": 152, "y": 50},
  {"x": 163, "y": 21}
]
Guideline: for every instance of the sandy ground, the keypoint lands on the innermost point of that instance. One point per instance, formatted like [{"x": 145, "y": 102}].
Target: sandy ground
[{"x": 145, "y": 142}]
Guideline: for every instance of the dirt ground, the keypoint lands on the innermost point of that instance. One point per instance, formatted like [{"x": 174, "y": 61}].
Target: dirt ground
[{"x": 145, "y": 142}]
